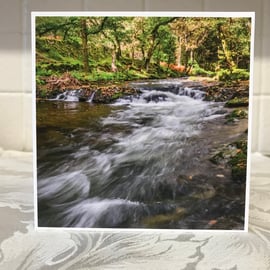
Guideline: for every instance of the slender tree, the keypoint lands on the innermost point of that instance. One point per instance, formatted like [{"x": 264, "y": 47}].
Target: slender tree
[{"x": 84, "y": 35}]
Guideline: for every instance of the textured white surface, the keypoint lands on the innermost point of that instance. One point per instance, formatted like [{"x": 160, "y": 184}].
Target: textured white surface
[
  {"x": 11, "y": 126},
  {"x": 21, "y": 247},
  {"x": 264, "y": 138}
]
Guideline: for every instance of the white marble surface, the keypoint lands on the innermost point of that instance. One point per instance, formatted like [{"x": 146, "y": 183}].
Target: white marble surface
[{"x": 23, "y": 248}]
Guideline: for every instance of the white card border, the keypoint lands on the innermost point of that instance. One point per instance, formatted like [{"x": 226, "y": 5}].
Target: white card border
[{"x": 142, "y": 14}]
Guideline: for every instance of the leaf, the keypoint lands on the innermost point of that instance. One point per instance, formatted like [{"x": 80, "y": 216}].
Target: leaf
[{"x": 212, "y": 222}]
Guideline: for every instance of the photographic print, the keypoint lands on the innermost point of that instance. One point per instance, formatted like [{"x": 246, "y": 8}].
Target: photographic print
[{"x": 142, "y": 120}]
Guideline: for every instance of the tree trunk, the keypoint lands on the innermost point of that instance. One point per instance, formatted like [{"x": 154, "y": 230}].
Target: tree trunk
[
  {"x": 84, "y": 46},
  {"x": 191, "y": 56},
  {"x": 149, "y": 55},
  {"x": 118, "y": 51},
  {"x": 113, "y": 66},
  {"x": 147, "y": 63},
  {"x": 179, "y": 52},
  {"x": 227, "y": 54},
  {"x": 226, "y": 51}
]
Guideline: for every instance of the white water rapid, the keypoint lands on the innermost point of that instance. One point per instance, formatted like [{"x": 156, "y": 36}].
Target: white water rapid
[{"x": 130, "y": 165}]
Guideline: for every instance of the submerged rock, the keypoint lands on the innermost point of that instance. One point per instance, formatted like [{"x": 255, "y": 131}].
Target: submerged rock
[
  {"x": 221, "y": 112},
  {"x": 235, "y": 156},
  {"x": 234, "y": 95},
  {"x": 158, "y": 221},
  {"x": 235, "y": 115},
  {"x": 196, "y": 186},
  {"x": 155, "y": 97}
]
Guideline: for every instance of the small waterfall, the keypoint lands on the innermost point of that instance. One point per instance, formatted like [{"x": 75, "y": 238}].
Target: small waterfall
[
  {"x": 75, "y": 95},
  {"x": 91, "y": 97},
  {"x": 69, "y": 95},
  {"x": 191, "y": 92},
  {"x": 180, "y": 88}
]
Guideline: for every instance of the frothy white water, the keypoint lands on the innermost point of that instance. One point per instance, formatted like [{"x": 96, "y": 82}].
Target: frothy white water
[
  {"x": 194, "y": 93},
  {"x": 151, "y": 143},
  {"x": 158, "y": 139},
  {"x": 63, "y": 188},
  {"x": 91, "y": 97},
  {"x": 67, "y": 194},
  {"x": 69, "y": 95},
  {"x": 98, "y": 212},
  {"x": 74, "y": 96}
]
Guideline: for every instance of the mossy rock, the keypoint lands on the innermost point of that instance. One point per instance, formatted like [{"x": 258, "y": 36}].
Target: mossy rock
[
  {"x": 237, "y": 102},
  {"x": 161, "y": 220},
  {"x": 224, "y": 154},
  {"x": 235, "y": 156},
  {"x": 236, "y": 114},
  {"x": 239, "y": 162}
]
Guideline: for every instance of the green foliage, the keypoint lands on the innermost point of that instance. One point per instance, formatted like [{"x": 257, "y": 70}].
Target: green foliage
[
  {"x": 166, "y": 46},
  {"x": 239, "y": 74},
  {"x": 105, "y": 76},
  {"x": 40, "y": 81},
  {"x": 224, "y": 75},
  {"x": 43, "y": 70},
  {"x": 56, "y": 67},
  {"x": 80, "y": 76},
  {"x": 134, "y": 74},
  {"x": 54, "y": 54},
  {"x": 72, "y": 64},
  {"x": 233, "y": 75},
  {"x": 117, "y": 95},
  {"x": 199, "y": 71},
  {"x": 42, "y": 93},
  {"x": 137, "y": 45}
]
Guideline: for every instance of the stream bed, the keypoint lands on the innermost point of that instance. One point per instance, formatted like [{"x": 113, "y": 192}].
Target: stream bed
[{"x": 141, "y": 162}]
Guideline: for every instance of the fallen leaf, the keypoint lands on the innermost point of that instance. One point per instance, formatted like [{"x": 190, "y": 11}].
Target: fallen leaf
[{"x": 212, "y": 222}]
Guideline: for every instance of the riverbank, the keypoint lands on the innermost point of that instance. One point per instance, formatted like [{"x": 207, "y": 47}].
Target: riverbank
[
  {"x": 102, "y": 92},
  {"x": 234, "y": 93}
]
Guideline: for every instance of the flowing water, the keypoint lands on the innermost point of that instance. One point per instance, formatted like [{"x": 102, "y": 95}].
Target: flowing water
[{"x": 142, "y": 162}]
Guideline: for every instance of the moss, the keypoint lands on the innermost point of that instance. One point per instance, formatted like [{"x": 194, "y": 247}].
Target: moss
[
  {"x": 233, "y": 75},
  {"x": 241, "y": 144},
  {"x": 40, "y": 81},
  {"x": 217, "y": 158},
  {"x": 224, "y": 75},
  {"x": 238, "y": 162},
  {"x": 198, "y": 71},
  {"x": 240, "y": 74},
  {"x": 239, "y": 166},
  {"x": 116, "y": 95},
  {"x": 42, "y": 94},
  {"x": 236, "y": 114},
  {"x": 235, "y": 156},
  {"x": 237, "y": 102},
  {"x": 158, "y": 221}
]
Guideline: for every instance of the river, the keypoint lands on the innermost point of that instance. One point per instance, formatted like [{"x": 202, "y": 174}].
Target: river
[{"x": 142, "y": 162}]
